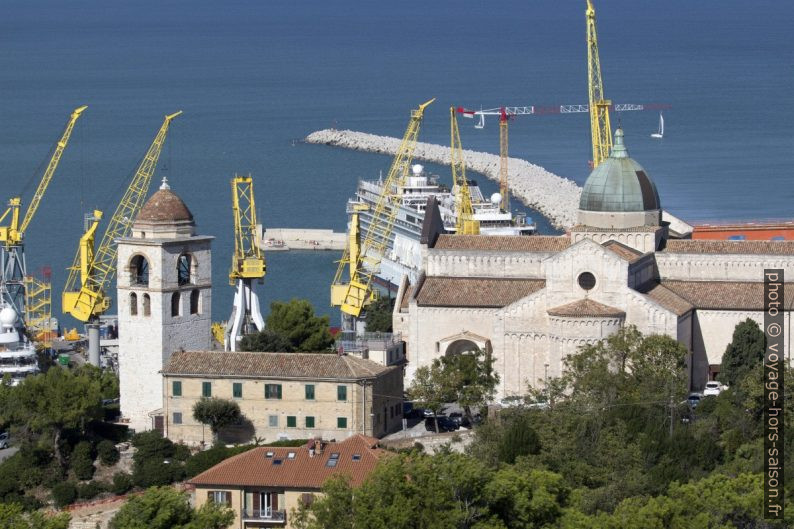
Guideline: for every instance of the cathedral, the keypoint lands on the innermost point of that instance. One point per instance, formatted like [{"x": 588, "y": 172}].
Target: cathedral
[{"x": 532, "y": 301}]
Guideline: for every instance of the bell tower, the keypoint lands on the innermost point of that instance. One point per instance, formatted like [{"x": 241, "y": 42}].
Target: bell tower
[{"x": 164, "y": 296}]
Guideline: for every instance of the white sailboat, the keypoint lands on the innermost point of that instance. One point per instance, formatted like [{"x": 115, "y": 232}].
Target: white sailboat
[{"x": 659, "y": 134}]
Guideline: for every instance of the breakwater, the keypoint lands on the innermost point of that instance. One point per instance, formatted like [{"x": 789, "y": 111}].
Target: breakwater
[
  {"x": 555, "y": 197},
  {"x": 275, "y": 239}
]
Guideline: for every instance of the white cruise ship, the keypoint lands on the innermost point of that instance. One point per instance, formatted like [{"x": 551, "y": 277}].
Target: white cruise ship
[
  {"x": 403, "y": 250},
  {"x": 17, "y": 355}
]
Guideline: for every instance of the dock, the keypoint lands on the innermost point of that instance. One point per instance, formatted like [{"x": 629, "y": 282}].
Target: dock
[{"x": 283, "y": 239}]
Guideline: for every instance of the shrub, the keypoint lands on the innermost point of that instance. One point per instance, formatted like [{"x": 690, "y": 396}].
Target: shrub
[
  {"x": 519, "y": 439},
  {"x": 154, "y": 473},
  {"x": 122, "y": 483},
  {"x": 86, "y": 491},
  {"x": 202, "y": 461},
  {"x": 181, "y": 452},
  {"x": 82, "y": 461},
  {"x": 152, "y": 445},
  {"x": 108, "y": 453},
  {"x": 64, "y": 493}
]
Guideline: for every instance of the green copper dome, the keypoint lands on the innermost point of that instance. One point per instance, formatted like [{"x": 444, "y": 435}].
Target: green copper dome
[{"x": 619, "y": 184}]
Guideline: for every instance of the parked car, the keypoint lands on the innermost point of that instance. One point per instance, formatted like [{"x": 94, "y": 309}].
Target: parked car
[
  {"x": 460, "y": 419},
  {"x": 429, "y": 413},
  {"x": 409, "y": 412},
  {"x": 445, "y": 424},
  {"x": 694, "y": 400},
  {"x": 4, "y": 440},
  {"x": 713, "y": 388}
]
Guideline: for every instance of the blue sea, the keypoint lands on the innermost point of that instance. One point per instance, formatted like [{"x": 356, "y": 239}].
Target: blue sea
[{"x": 252, "y": 76}]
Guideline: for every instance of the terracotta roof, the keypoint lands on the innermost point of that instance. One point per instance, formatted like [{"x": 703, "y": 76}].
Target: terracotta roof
[
  {"x": 730, "y": 247},
  {"x": 506, "y": 243},
  {"x": 728, "y": 295},
  {"x": 406, "y": 297},
  {"x": 485, "y": 292},
  {"x": 272, "y": 365},
  {"x": 164, "y": 206},
  {"x": 586, "y": 308},
  {"x": 254, "y": 469},
  {"x": 668, "y": 299},
  {"x": 624, "y": 252},
  {"x": 640, "y": 229}
]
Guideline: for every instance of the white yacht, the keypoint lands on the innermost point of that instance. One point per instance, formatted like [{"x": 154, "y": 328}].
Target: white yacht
[
  {"x": 17, "y": 355},
  {"x": 403, "y": 249}
]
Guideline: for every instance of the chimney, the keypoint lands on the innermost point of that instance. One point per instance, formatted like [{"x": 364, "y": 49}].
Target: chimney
[{"x": 318, "y": 446}]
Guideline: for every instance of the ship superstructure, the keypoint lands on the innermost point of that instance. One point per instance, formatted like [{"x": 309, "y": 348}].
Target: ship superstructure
[
  {"x": 17, "y": 355},
  {"x": 403, "y": 249}
]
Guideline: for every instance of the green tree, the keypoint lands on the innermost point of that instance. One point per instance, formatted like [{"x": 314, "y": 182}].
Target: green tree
[
  {"x": 745, "y": 351},
  {"x": 64, "y": 493},
  {"x": 107, "y": 452},
  {"x": 166, "y": 508},
  {"x": 216, "y": 413},
  {"x": 82, "y": 460},
  {"x": 296, "y": 321},
  {"x": 470, "y": 379},
  {"x": 13, "y": 516},
  {"x": 379, "y": 315},
  {"x": 266, "y": 341},
  {"x": 428, "y": 389},
  {"x": 51, "y": 402},
  {"x": 518, "y": 438}
]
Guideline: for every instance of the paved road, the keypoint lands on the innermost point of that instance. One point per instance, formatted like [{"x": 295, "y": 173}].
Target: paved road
[{"x": 8, "y": 452}]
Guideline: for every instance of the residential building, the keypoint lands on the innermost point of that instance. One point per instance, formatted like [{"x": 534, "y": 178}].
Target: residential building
[
  {"x": 263, "y": 485},
  {"x": 282, "y": 395}
]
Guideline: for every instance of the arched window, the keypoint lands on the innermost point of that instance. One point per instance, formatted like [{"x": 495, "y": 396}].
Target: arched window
[
  {"x": 183, "y": 269},
  {"x": 147, "y": 305},
  {"x": 133, "y": 304},
  {"x": 194, "y": 301},
  {"x": 175, "y": 304},
  {"x": 139, "y": 270}
]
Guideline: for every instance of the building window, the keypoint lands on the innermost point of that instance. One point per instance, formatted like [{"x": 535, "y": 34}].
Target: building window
[
  {"x": 133, "y": 304},
  {"x": 206, "y": 389},
  {"x": 309, "y": 391},
  {"x": 309, "y": 422},
  {"x": 237, "y": 390},
  {"x": 341, "y": 423},
  {"x": 273, "y": 391},
  {"x": 175, "y": 304},
  {"x": 292, "y": 422},
  {"x": 341, "y": 392},
  {"x": 183, "y": 270},
  {"x": 176, "y": 388},
  {"x": 272, "y": 421},
  {"x": 194, "y": 301},
  {"x": 220, "y": 497},
  {"x": 139, "y": 271},
  {"x": 587, "y": 280},
  {"x": 147, "y": 305},
  {"x": 177, "y": 417}
]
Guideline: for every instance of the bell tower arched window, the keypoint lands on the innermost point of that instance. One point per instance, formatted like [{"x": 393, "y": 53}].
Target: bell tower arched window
[
  {"x": 183, "y": 269},
  {"x": 139, "y": 270},
  {"x": 147, "y": 305},
  {"x": 195, "y": 299},
  {"x": 175, "y": 304},
  {"x": 133, "y": 304}
]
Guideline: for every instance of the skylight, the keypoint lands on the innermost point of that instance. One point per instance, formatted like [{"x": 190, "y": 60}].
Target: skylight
[
  {"x": 335, "y": 455},
  {"x": 269, "y": 455},
  {"x": 291, "y": 455},
  {"x": 356, "y": 457},
  {"x": 331, "y": 462},
  {"x": 277, "y": 461}
]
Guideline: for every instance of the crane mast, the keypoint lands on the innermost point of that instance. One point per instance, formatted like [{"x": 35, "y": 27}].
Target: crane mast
[
  {"x": 248, "y": 264},
  {"x": 351, "y": 297},
  {"x": 504, "y": 186},
  {"x": 84, "y": 295},
  {"x": 465, "y": 223},
  {"x": 600, "y": 129},
  {"x": 12, "y": 253}
]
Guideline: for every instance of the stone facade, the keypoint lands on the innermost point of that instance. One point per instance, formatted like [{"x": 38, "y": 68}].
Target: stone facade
[
  {"x": 160, "y": 309},
  {"x": 308, "y": 399}
]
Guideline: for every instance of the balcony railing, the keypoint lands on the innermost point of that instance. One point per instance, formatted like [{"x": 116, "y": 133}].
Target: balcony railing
[
  {"x": 264, "y": 515},
  {"x": 374, "y": 341}
]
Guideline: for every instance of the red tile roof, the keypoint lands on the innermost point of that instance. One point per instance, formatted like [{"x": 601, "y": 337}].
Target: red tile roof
[
  {"x": 506, "y": 243},
  {"x": 586, "y": 308},
  {"x": 482, "y": 292},
  {"x": 273, "y": 365},
  {"x": 725, "y": 295},
  {"x": 730, "y": 247},
  {"x": 164, "y": 206},
  {"x": 624, "y": 252},
  {"x": 254, "y": 469},
  {"x": 668, "y": 299}
]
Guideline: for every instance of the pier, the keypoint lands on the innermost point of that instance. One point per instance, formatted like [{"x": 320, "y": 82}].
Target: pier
[{"x": 276, "y": 239}]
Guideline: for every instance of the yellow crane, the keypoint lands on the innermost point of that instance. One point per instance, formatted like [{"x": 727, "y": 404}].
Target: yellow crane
[
  {"x": 465, "y": 224},
  {"x": 248, "y": 264},
  {"x": 38, "y": 308},
  {"x": 12, "y": 234},
  {"x": 363, "y": 260},
  {"x": 85, "y": 295},
  {"x": 600, "y": 129}
]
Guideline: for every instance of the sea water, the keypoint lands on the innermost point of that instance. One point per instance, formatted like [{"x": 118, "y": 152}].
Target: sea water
[{"x": 253, "y": 76}]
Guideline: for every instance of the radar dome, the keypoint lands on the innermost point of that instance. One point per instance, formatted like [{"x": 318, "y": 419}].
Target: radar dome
[
  {"x": 417, "y": 168},
  {"x": 496, "y": 198},
  {"x": 8, "y": 316}
]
